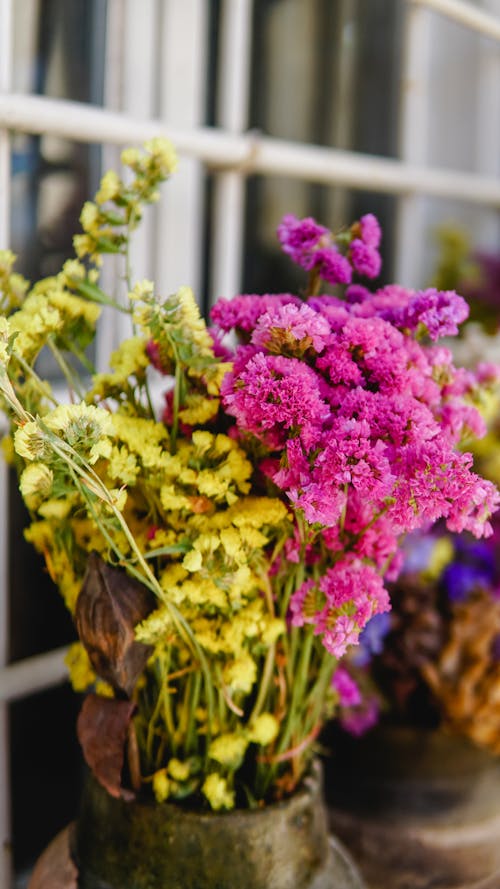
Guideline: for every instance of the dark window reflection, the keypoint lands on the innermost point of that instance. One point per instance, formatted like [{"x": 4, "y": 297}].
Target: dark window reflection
[{"x": 325, "y": 72}]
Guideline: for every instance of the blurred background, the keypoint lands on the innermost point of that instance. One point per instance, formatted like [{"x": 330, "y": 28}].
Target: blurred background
[{"x": 330, "y": 108}]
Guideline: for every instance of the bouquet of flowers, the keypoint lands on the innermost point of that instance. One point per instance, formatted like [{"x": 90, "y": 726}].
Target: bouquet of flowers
[{"x": 222, "y": 551}]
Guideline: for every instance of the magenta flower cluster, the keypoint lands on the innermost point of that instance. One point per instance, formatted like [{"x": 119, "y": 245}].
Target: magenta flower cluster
[
  {"x": 358, "y": 415},
  {"x": 315, "y": 248}
]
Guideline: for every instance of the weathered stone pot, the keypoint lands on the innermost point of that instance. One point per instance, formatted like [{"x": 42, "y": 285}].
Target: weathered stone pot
[
  {"x": 418, "y": 810},
  {"x": 138, "y": 845}
]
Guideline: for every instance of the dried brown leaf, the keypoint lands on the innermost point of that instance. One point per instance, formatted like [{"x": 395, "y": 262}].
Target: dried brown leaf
[
  {"x": 108, "y": 608},
  {"x": 102, "y": 729}
]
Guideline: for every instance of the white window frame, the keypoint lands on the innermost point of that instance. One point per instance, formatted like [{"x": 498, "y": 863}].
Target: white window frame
[{"x": 232, "y": 153}]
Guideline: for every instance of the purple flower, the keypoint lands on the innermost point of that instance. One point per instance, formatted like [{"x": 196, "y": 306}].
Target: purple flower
[
  {"x": 332, "y": 266},
  {"x": 312, "y": 247},
  {"x": 299, "y": 238},
  {"x": 373, "y": 635},
  {"x": 418, "y": 549},
  {"x": 370, "y": 230},
  {"x": 365, "y": 259},
  {"x": 460, "y": 579},
  {"x": 346, "y": 688},
  {"x": 359, "y": 720},
  {"x": 439, "y": 311}
]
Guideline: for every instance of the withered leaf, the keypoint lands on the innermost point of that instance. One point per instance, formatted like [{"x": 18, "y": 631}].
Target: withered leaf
[
  {"x": 102, "y": 728},
  {"x": 109, "y": 606}
]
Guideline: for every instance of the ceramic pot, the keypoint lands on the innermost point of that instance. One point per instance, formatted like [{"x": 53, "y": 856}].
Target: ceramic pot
[
  {"x": 140, "y": 845},
  {"x": 417, "y": 809}
]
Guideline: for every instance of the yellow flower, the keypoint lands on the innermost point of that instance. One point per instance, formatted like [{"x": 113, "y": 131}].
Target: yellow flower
[
  {"x": 258, "y": 511},
  {"x": 163, "y": 152},
  {"x": 55, "y": 508},
  {"x": 137, "y": 433},
  {"x": 155, "y": 627},
  {"x": 179, "y": 771},
  {"x": 240, "y": 674},
  {"x": 130, "y": 157},
  {"x": 142, "y": 290},
  {"x": 123, "y": 465},
  {"x": 216, "y": 790},
  {"x": 171, "y": 499},
  {"x": 89, "y": 216},
  {"x": 274, "y": 627},
  {"x": 203, "y": 591},
  {"x": 228, "y": 749},
  {"x": 161, "y": 785},
  {"x": 130, "y": 357},
  {"x": 202, "y": 440},
  {"x": 29, "y": 442},
  {"x": 192, "y": 561},
  {"x": 264, "y": 729},
  {"x": 80, "y": 425},
  {"x": 442, "y": 554},
  {"x": 109, "y": 188},
  {"x": 81, "y": 674},
  {"x": 199, "y": 409},
  {"x": 232, "y": 543},
  {"x": 36, "y": 482}
]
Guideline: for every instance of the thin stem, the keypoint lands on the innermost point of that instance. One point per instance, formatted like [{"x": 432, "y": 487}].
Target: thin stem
[
  {"x": 195, "y": 697},
  {"x": 175, "y": 408},
  {"x": 133, "y": 757},
  {"x": 71, "y": 378},
  {"x": 36, "y": 379}
]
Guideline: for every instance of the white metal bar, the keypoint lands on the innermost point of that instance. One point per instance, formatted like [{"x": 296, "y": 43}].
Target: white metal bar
[
  {"x": 250, "y": 152},
  {"x": 130, "y": 86},
  {"x": 487, "y": 132},
  {"x": 413, "y": 141},
  {"x": 232, "y": 116},
  {"x": 182, "y": 85},
  {"x": 465, "y": 14},
  {"x": 6, "y": 36},
  {"x": 33, "y": 674}
]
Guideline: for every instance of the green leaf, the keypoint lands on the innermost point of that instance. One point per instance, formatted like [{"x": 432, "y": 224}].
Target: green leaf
[{"x": 96, "y": 295}]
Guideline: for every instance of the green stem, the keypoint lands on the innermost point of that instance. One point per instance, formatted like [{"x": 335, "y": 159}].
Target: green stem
[
  {"x": 193, "y": 704},
  {"x": 265, "y": 681},
  {"x": 301, "y": 675},
  {"x": 175, "y": 408}
]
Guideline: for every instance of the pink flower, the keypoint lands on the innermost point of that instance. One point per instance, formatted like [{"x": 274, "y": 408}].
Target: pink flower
[
  {"x": 291, "y": 329},
  {"x": 242, "y": 312},
  {"x": 370, "y": 230},
  {"x": 340, "y": 603},
  {"x": 275, "y": 397}
]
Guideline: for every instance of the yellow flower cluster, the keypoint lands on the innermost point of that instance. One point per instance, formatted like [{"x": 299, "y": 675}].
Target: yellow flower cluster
[
  {"x": 106, "y": 228},
  {"x": 49, "y": 311},
  {"x": 13, "y": 287}
]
